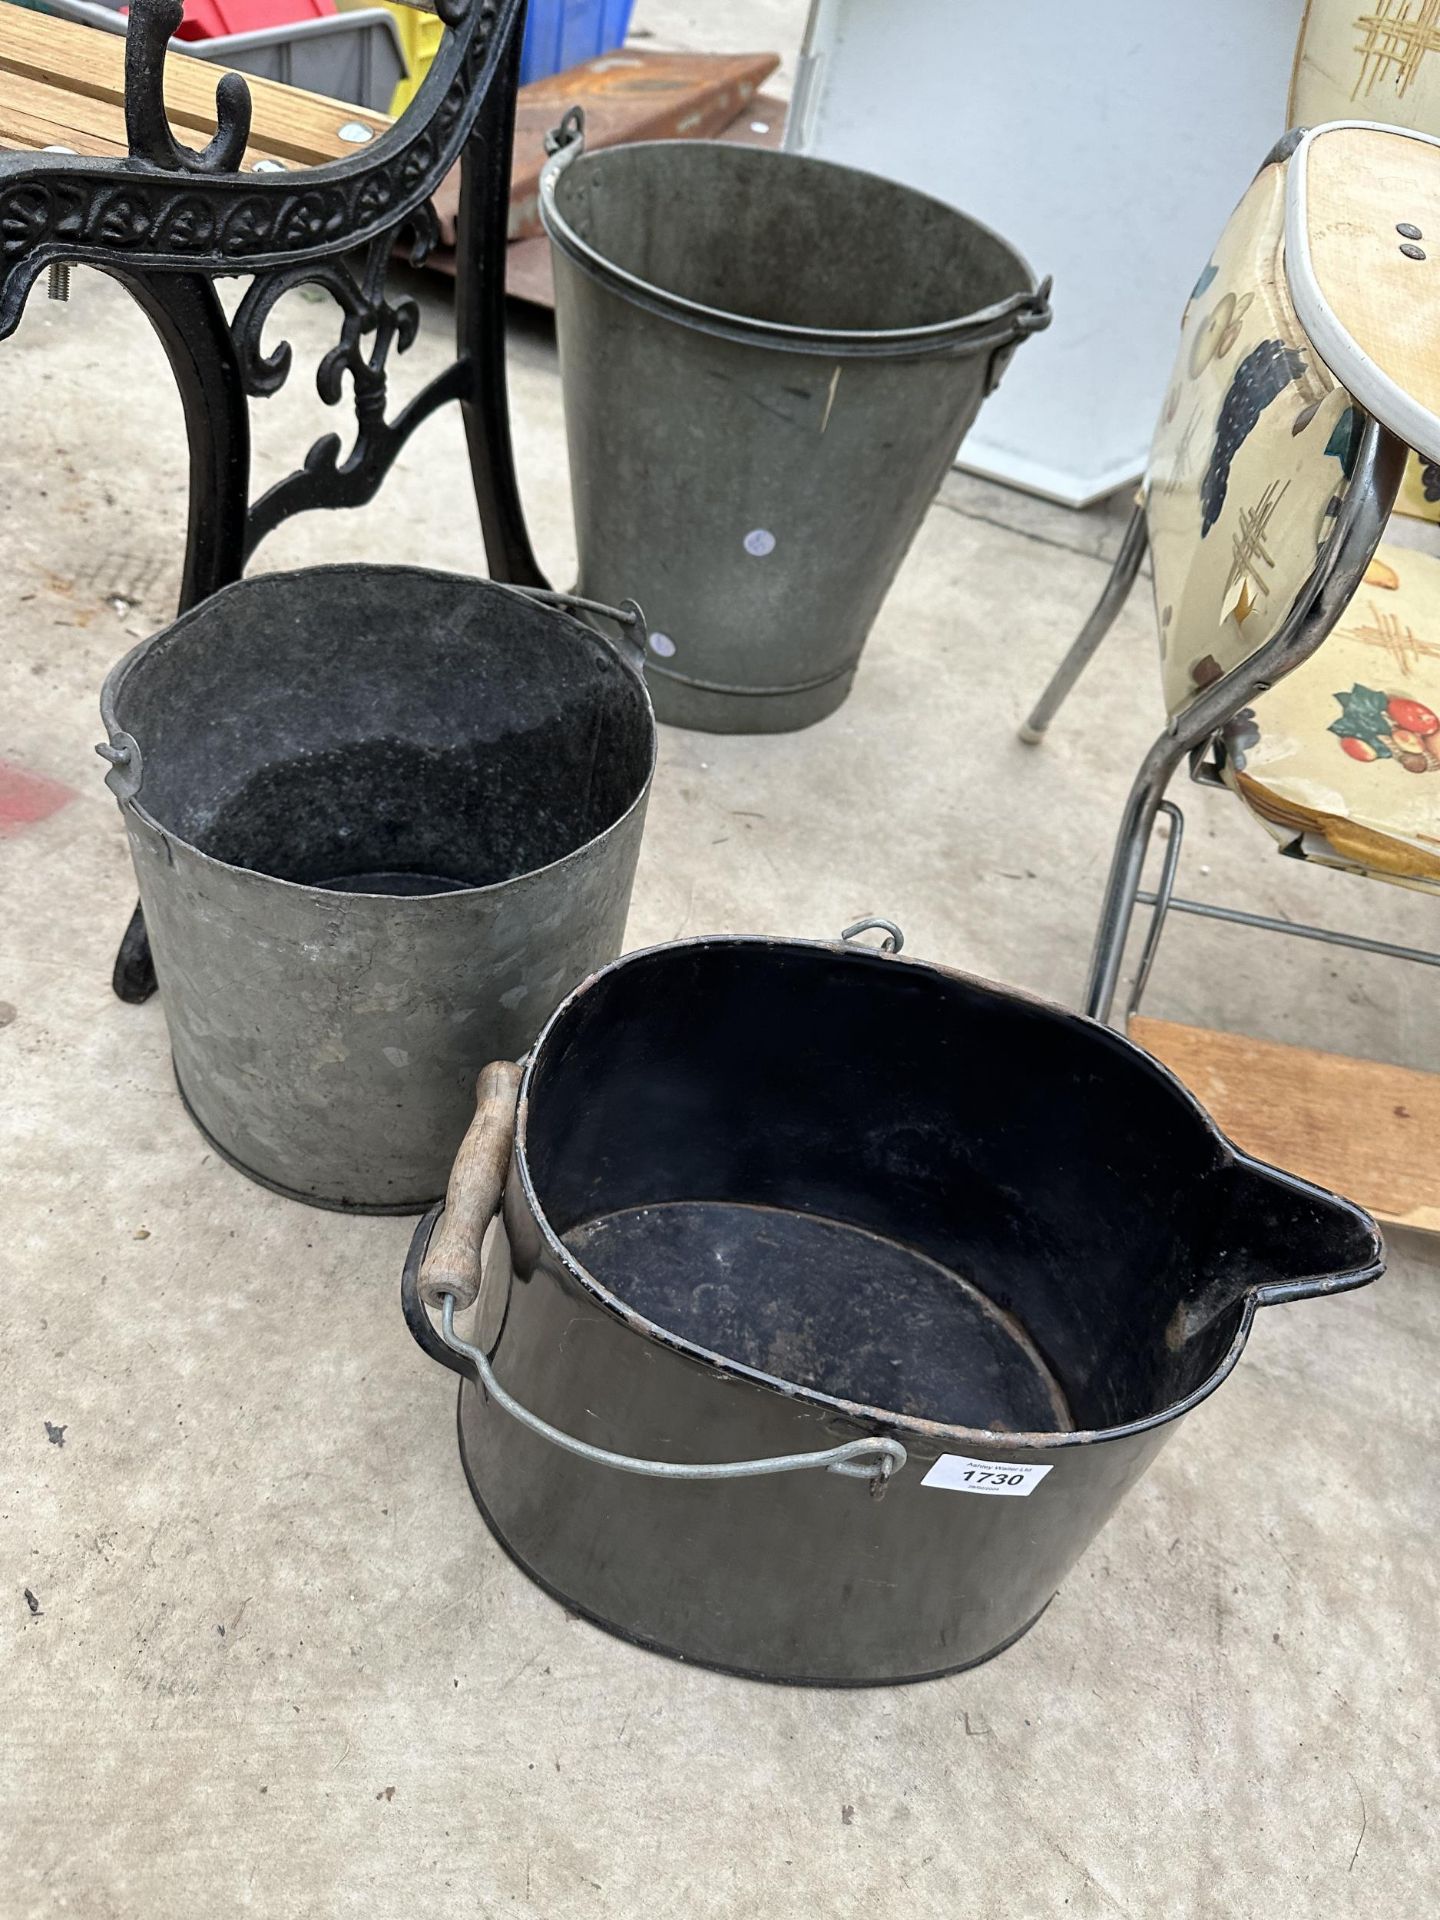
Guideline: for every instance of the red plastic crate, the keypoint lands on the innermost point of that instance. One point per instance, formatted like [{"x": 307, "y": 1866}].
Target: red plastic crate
[{"x": 209, "y": 19}]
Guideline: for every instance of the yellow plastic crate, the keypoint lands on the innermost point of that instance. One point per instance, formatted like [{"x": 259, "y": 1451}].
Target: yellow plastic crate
[{"x": 420, "y": 37}]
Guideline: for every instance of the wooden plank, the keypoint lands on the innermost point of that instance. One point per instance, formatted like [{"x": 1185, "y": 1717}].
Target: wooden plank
[
  {"x": 34, "y": 115},
  {"x": 289, "y": 124},
  {"x": 529, "y": 275},
  {"x": 1363, "y": 1128},
  {"x": 631, "y": 95}
]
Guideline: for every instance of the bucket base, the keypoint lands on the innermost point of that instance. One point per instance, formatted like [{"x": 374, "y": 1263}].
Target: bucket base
[
  {"x": 573, "y": 1605},
  {"x": 405, "y": 1208},
  {"x": 679, "y": 702},
  {"x": 842, "y": 1311}
]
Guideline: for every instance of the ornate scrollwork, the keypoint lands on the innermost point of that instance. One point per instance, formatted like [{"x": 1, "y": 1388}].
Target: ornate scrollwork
[
  {"x": 170, "y": 220},
  {"x": 147, "y": 125},
  {"x": 170, "y": 208},
  {"x": 372, "y": 324}
]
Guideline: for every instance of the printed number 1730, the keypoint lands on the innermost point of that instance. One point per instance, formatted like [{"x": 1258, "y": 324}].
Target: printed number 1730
[{"x": 959, "y": 1475}]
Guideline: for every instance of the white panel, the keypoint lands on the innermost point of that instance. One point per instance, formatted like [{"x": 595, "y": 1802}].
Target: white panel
[{"x": 1106, "y": 139}]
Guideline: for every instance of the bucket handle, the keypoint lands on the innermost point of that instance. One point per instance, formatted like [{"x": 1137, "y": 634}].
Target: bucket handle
[
  {"x": 1027, "y": 313},
  {"x": 121, "y": 752},
  {"x": 629, "y": 615},
  {"x": 444, "y": 1270},
  {"x": 570, "y": 132},
  {"x": 1000, "y": 330},
  {"x": 893, "y": 941},
  {"x": 451, "y": 1268}
]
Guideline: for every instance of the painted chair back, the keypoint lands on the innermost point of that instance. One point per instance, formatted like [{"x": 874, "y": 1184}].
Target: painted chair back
[
  {"x": 1373, "y": 60},
  {"x": 1253, "y": 453},
  {"x": 1367, "y": 60}
]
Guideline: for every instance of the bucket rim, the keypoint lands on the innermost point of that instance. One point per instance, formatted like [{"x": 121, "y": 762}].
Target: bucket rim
[
  {"x": 937, "y": 1433},
  {"x": 131, "y": 802},
  {"x": 997, "y": 325}
]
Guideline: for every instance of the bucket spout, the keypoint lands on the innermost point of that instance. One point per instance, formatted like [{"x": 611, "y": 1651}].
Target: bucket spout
[{"x": 1276, "y": 1238}]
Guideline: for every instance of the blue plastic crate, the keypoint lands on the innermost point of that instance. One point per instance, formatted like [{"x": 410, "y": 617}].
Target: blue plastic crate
[{"x": 562, "y": 33}]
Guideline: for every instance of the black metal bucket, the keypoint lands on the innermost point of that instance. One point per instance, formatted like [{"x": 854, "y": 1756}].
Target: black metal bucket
[
  {"x": 774, "y": 1206},
  {"x": 383, "y": 820}
]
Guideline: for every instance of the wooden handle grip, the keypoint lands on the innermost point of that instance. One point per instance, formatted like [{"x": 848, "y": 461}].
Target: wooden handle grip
[{"x": 477, "y": 1182}]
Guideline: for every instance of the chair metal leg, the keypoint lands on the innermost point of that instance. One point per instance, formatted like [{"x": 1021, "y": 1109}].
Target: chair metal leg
[
  {"x": 1087, "y": 641},
  {"x": 1118, "y": 908},
  {"x": 1159, "y": 904},
  {"x": 1164, "y": 901},
  {"x": 1297, "y": 929}
]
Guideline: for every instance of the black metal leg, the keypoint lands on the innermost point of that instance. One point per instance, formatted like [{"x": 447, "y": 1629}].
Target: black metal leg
[
  {"x": 186, "y": 313},
  {"x": 134, "y": 975},
  {"x": 480, "y": 326}
]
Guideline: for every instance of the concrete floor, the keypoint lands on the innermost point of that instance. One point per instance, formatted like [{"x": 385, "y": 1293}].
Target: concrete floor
[{"x": 259, "y": 1653}]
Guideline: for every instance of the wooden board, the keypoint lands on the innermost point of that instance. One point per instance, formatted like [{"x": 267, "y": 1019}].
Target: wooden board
[
  {"x": 64, "y": 85},
  {"x": 629, "y": 95},
  {"x": 529, "y": 275},
  {"x": 1360, "y": 1127},
  {"x": 1369, "y": 306}
]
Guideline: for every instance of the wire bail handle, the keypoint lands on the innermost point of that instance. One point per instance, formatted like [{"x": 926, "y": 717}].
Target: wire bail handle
[
  {"x": 569, "y": 133},
  {"x": 449, "y": 1277},
  {"x": 893, "y": 941}
]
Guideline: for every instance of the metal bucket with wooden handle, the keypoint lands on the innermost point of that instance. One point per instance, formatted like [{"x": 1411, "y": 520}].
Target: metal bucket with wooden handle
[{"x": 835, "y": 1300}]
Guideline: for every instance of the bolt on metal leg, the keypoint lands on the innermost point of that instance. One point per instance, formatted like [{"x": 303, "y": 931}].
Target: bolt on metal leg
[{"x": 58, "y": 284}]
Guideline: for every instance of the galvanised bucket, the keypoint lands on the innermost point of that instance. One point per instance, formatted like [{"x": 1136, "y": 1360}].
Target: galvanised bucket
[
  {"x": 769, "y": 363},
  {"x": 383, "y": 821}
]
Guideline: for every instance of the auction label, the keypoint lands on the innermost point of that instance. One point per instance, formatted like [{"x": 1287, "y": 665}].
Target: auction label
[{"x": 959, "y": 1475}]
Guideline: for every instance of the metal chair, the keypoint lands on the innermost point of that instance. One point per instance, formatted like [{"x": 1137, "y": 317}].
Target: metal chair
[
  {"x": 168, "y": 222},
  {"x": 1266, "y": 494}
]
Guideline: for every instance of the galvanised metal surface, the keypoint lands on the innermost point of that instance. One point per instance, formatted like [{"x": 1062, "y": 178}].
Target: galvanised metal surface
[
  {"x": 768, "y": 363},
  {"x": 767, "y": 1198},
  {"x": 382, "y": 820}
]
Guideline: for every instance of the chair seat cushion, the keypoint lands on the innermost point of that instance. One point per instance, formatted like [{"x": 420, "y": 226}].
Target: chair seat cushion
[{"x": 1341, "y": 760}]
